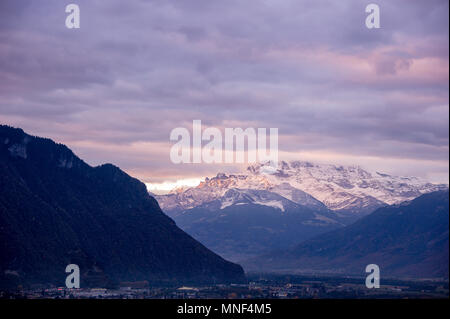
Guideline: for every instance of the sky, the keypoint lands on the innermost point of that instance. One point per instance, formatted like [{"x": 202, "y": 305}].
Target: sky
[{"x": 337, "y": 91}]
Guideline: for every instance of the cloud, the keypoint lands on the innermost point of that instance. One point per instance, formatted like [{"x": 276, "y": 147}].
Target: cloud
[{"x": 137, "y": 69}]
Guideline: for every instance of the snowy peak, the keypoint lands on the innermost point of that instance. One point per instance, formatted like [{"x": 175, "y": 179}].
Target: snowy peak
[
  {"x": 223, "y": 181},
  {"x": 341, "y": 187},
  {"x": 319, "y": 186},
  {"x": 297, "y": 196},
  {"x": 256, "y": 197}
]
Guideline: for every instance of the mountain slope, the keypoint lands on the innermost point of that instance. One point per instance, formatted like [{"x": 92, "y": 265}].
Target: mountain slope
[
  {"x": 244, "y": 223},
  {"x": 215, "y": 188},
  {"x": 55, "y": 210},
  {"x": 409, "y": 240}
]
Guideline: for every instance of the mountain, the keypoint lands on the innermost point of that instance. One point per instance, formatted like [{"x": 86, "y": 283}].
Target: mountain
[
  {"x": 55, "y": 210},
  {"x": 244, "y": 223},
  {"x": 243, "y": 215},
  {"x": 214, "y": 188},
  {"x": 404, "y": 240},
  {"x": 347, "y": 190}
]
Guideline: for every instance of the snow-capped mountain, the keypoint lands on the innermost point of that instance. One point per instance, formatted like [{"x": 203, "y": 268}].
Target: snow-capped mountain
[
  {"x": 241, "y": 215},
  {"x": 236, "y": 196},
  {"x": 348, "y": 189}
]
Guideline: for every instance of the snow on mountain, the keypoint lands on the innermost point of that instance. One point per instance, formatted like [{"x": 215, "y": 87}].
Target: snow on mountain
[
  {"x": 241, "y": 197},
  {"x": 340, "y": 188},
  {"x": 348, "y": 187}
]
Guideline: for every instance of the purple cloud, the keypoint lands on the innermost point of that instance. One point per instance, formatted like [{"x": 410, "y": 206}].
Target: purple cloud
[{"x": 137, "y": 69}]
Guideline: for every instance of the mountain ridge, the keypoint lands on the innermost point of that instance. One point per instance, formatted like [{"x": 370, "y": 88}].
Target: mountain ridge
[
  {"x": 55, "y": 209},
  {"x": 345, "y": 189},
  {"x": 406, "y": 240}
]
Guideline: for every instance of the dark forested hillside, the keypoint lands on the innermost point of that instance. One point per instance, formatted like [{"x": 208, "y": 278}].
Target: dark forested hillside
[
  {"x": 407, "y": 240},
  {"x": 55, "y": 209}
]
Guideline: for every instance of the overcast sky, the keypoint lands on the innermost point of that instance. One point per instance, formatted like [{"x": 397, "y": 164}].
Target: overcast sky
[{"x": 338, "y": 92}]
